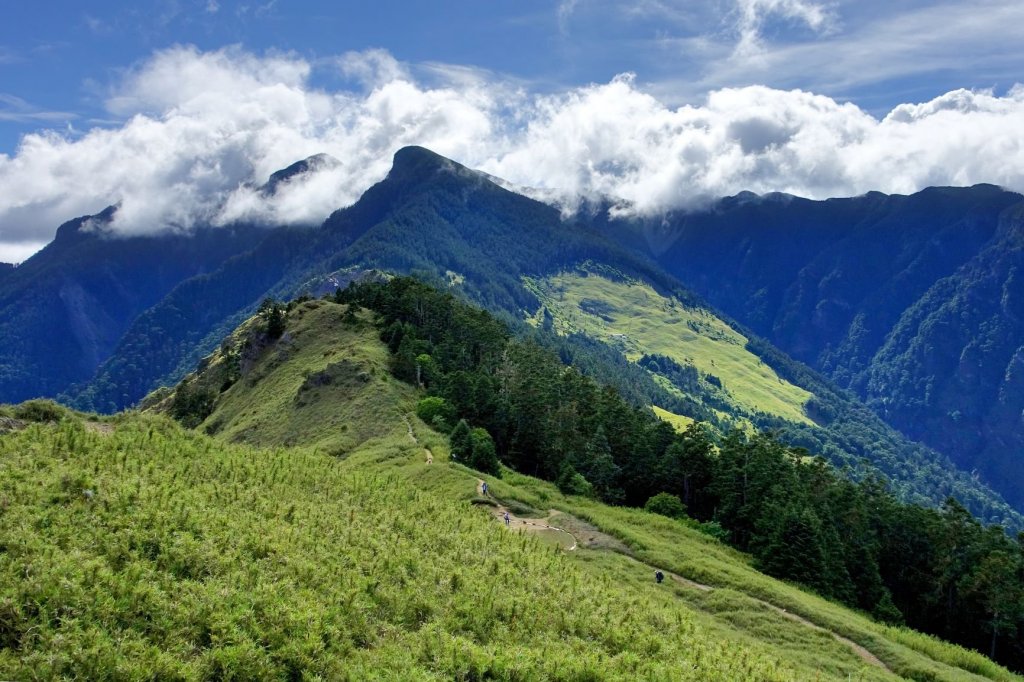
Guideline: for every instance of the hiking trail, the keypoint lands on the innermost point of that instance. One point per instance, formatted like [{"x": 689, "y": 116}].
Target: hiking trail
[
  {"x": 528, "y": 525},
  {"x": 601, "y": 541},
  {"x": 521, "y": 524},
  {"x": 427, "y": 454}
]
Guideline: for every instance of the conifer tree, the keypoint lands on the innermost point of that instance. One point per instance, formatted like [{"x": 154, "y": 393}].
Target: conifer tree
[
  {"x": 484, "y": 457},
  {"x": 461, "y": 442}
]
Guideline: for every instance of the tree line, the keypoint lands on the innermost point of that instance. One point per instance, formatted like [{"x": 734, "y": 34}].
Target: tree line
[{"x": 512, "y": 399}]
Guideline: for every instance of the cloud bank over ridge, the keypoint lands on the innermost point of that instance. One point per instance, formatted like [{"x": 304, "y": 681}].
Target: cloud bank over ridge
[{"x": 201, "y": 131}]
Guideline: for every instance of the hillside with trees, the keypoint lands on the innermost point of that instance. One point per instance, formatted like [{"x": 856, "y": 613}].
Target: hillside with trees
[
  {"x": 500, "y": 398},
  {"x": 909, "y": 301}
]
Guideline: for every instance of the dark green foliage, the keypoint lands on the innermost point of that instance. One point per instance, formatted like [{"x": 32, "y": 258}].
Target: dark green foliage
[
  {"x": 461, "y": 442},
  {"x": 192, "y": 403},
  {"x": 274, "y": 315},
  {"x": 666, "y": 504},
  {"x": 40, "y": 411},
  {"x": 484, "y": 457},
  {"x": 437, "y": 412},
  {"x": 571, "y": 482},
  {"x": 851, "y": 433}
]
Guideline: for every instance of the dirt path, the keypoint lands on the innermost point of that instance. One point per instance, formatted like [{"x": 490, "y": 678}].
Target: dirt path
[
  {"x": 861, "y": 652},
  {"x": 499, "y": 512},
  {"x": 521, "y": 524},
  {"x": 99, "y": 427},
  {"x": 427, "y": 454}
]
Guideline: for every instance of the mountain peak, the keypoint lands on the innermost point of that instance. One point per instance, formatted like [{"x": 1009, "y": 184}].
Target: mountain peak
[
  {"x": 311, "y": 164},
  {"x": 413, "y": 163},
  {"x": 414, "y": 155},
  {"x": 79, "y": 227}
]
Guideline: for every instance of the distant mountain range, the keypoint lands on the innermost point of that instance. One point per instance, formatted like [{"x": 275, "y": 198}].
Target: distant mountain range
[
  {"x": 876, "y": 292},
  {"x": 915, "y": 303}
]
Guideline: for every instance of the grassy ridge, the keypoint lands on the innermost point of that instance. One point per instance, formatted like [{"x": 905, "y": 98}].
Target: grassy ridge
[
  {"x": 637, "y": 319},
  {"x": 325, "y": 384}
]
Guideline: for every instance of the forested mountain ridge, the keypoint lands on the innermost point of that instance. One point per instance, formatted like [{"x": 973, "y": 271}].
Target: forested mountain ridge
[
  {"x": 429, "y": 215},
  {"x": 910, "y": 301},
  {"x": 63, "y": 311}
]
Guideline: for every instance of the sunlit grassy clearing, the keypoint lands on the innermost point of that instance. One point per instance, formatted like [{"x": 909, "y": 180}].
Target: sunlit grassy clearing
[
  {"x": 640, "y": 320},
  {"x": 679, "y": 422}
]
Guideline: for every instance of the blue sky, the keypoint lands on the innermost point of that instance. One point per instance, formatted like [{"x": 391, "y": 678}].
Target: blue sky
[
  {"x": 57, "y": 59},
  {"x": 663, "y": 103}
]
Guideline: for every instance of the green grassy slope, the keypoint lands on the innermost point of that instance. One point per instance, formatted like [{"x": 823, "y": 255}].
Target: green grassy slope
[
  {"x": 634, "y": 317},
  {"x": 325, "y": 383},
  {"x": 745, "y": 612},
  {"x": 153, "y": 552}
]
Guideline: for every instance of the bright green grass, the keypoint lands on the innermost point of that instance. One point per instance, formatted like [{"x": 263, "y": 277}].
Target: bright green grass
[
  {"x": 673, "y": 545},
  {"x": 679, "y": 422},
  {"x": 325, "y": 383},
  {"x": 640, "y": 320},
  {"x": 195, "y": 559}
]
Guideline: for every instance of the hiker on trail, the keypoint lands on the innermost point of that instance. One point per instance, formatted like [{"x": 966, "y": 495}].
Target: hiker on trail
[
  {"x": 507, "y": 519},
  {"x": 483, "y": 488},
  {"x": 659, "y": 576}
]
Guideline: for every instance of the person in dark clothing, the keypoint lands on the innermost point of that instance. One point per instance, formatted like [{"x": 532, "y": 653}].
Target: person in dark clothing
[{"x": 659, "y": 576}]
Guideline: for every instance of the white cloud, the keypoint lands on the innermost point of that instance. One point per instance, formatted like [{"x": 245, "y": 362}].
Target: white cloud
[
  {"x": 18, "y": 252},
  {"x": 564, "y": 13},
  {"x": 753, "y": 14},
  {"x": 202, "y": 130}
]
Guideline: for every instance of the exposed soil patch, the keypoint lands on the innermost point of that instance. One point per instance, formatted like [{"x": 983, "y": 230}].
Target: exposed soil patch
[
  {"x": 542, "y": 526},
  {"x": 99, "y": 427},
  {"x": 7, "y": 424}
]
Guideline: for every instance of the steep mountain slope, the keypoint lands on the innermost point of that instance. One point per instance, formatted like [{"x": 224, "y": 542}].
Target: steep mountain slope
[
  {"x": 430, "y": 216},
  {"x": 193, "y": 559},
  {"x": 274, "y": 401},
  {"x": 845, "y": 285},
  {"x": 951, "y": 372},
  {"x": 63, "y": 310}
]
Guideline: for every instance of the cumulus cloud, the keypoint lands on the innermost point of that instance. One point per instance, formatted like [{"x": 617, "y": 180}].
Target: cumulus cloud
[{"x": 202, "y": 131}]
